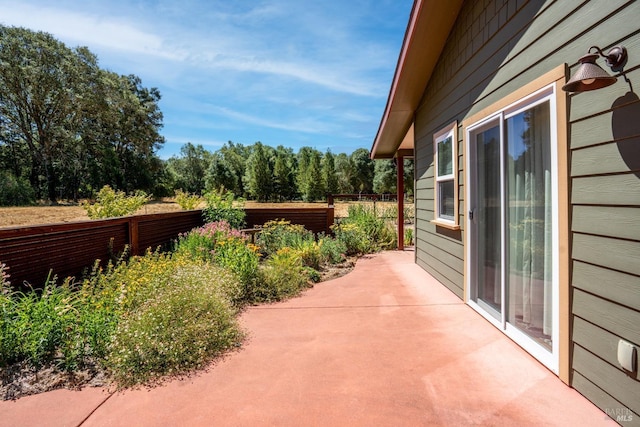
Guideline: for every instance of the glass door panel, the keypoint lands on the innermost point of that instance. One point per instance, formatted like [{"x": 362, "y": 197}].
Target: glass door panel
[
  {"x": 487, "y": 220},
  {"x": 529, "y": 223},
  {"x": 512, "y": 194}
]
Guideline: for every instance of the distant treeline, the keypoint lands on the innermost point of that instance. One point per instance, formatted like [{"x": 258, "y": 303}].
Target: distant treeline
[
  {"x": 264, "y": 173},
  {"x": 68, "y": 127}
]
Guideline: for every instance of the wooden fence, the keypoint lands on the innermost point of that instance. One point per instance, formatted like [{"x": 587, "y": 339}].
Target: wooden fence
[
  {"x": 318, "y": 220},
  {"x": 70, "y": 248},
  {"x": 67, "y": 249}
]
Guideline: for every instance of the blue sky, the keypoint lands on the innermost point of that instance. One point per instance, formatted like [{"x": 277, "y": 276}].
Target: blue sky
[{"x": 283, "y": 72}]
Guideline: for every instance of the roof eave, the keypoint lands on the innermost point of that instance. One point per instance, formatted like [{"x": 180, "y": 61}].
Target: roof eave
[{"x": 430, "y": 20}]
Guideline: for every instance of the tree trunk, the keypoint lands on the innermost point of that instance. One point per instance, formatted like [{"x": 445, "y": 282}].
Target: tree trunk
[{"x": 51, "y": 184}]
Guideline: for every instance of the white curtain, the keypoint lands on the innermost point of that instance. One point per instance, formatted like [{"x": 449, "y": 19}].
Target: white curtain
[{"x": 529, "y": 244}]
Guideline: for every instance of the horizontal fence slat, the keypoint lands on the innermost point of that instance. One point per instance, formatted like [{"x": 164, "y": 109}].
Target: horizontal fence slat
[{"x": 68, "y": 249}]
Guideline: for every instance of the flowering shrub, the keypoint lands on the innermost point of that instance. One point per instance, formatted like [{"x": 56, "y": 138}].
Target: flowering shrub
[
  {"x": 203, "y": 241},
  {"x": 278, "y": 234},
  {"x": 227, "y": 247},
  {"x": 180, "y": 327},
  {"x": 309, "y": 253},
  {"x": 332, "y": 250},
  {"x": 241, "y": 258},
  {"x": 170, "y": 314}
]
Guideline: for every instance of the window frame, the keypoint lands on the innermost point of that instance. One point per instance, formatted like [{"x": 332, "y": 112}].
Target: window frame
[{"x": 451, "y": 131}]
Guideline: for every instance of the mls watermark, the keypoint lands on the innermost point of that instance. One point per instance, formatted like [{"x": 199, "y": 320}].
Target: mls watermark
[{"x": 620, "y": 414}]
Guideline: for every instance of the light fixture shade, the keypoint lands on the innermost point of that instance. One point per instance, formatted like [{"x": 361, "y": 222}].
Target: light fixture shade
[{"x": 589, "y": 76}]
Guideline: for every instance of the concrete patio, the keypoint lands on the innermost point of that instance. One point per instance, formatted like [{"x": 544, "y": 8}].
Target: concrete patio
[{"x": 386, "y": 345}]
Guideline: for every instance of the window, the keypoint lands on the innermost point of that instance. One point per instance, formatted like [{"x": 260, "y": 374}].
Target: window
[{"x": 446, "y": 176}]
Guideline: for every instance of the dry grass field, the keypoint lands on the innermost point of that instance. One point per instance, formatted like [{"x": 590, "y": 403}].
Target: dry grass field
[{"x": 37, "y": 215}]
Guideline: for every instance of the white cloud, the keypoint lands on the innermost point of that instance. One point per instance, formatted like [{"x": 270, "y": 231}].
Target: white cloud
[
  {"x": 301, "y": 125},
  {"x": 223, "y": 46},
  {"x": 88, "y": 29},
  {"x": 180, "y": 140}
]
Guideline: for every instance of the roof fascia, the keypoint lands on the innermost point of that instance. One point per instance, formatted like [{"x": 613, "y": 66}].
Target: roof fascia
[{"x": 429, "y": 26}]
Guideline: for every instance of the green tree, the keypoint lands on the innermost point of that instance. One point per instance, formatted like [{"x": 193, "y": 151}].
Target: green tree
[
  {"x": 344, "y": 171},
  {"x": 135, "y": 122},
  {"x": 259, "y": 173},
  {"x": 408, "y": 176},
  {"x": 69, "y": 126},
  {"x": 284, "y": 174},
  {"x": 190, "y": 168},
  {"x": 386, "y": 173},
  {"x": 385, "y": 178},
  {"x": 302, "y": 178},
  {"x": 315, "y": 189},
  {"x": 228, "y": 168},
  {"x": 221, "y": 174},
  {"x": 329, "y": 173},
  {"x": 42, "y": 83},
  {"x": 363, "y": 171}
]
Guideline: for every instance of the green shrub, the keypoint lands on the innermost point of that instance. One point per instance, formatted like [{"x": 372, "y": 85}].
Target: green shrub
[
  {"x": 15, "y": 191},
  {"x": 240, "y": 257},
  {"x": 57, "y": 325},
  {"x": 9, "y": 345},
  {"x": 46, "y": 323},
  {"x": 187, "y": 201},
  {"x": 281, "y": 276},
  {"x": 332, "y": 251},
  {"x": 110, "y": 203},
  {"x": 201, "y": 242},
  {"x": 280, "y": 233},
  {"x": 354, "y": 239},
  {"x": 180, "y": 328},
  {"x": 408, "y": 236},
  {"x": 363, "y": 231},
  {"x": 310, "y": 254},
  {"x": 223, "y": 207}
]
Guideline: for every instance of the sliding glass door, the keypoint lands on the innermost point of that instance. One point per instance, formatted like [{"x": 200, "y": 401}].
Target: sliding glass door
[
  {"x": 487, "y": 218},
  {"x": 511, "y": 223}
]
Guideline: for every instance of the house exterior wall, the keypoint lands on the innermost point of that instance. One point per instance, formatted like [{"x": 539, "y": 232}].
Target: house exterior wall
[{"x": 496, "y": 47}]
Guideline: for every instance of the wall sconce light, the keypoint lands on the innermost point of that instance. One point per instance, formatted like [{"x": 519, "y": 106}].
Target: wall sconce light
[{"x": 589, "y": 76}]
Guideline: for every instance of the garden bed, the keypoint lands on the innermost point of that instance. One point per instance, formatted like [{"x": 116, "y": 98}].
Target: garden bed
[
  {"x": 21, "y": 379},
  {"x": 152, "y": 317}
]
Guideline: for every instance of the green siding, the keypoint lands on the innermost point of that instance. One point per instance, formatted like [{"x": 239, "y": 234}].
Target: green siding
[
  {"x": 617, "y": 287},
  {"x": 605, "y": 194},
  {"x": 612, "y": 221},
  {"x": 615, "y": 318},
  {"x": 495, "y": 48},
  {"x": 620, "y": 189},
  {"x": 602, "y": 374},
  {"x": 607, "y": 403},
  {"x": 621, "y": 255},
  {"x": 601, "y": 159}
]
